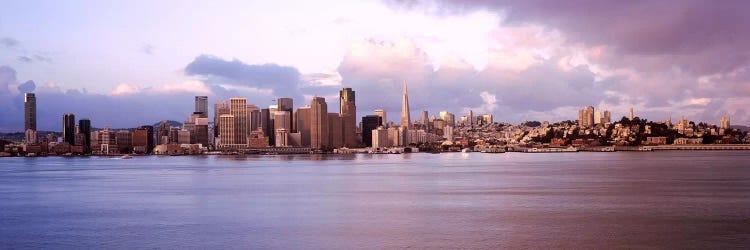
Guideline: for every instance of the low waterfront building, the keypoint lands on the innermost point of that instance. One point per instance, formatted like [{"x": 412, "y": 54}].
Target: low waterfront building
[{"x": 684, "y": 141}]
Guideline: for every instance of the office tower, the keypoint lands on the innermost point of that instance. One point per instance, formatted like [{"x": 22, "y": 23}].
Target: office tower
[
  {"x": 107, "y": 140},
  {"x": 238, "y": 109},
  {"x": 183, "y": 136},
  {"x": 724, "y": 123},
  {"x": 303, "y": 125},
  {"x": 425, "y": 117},
  {"x": 487, "y": 119},
  {"x": 590, "y": 116},
  {"x": 143, "y": 139},
  {"x": 394, "y": 136},
  {"x": 631, "y": 113},
  {"x": 253, "y": 114},
  {"x": 29, "y": 111},
  {"x": 282, "y": 137},
  {"x": 281, "y": 121},
  {"x": 668, "y": 122},
  {"x": 162, "y": 132},
  {"x": 220, "y": 108},
  {"x": 174, "y": 134},
  {"x": 200, "y": 132},
  {"x": 335, "y": 130},
  {"x": 405, "y": 117},
  {"x": 448, "y": 133},
  {"x": 227, "y": 130},
  {"x": 31, "y": 137},
  {"x": 582, "y": 117},
  {"x": 124, "y": 141},
  {"x": 271, "y": 133},
  {"x": 379, "y": 138},
  {"x": 84, "y": 126},
  {"x": 449, "y": 118},
  {"x": 286, "y": 104},
  {"x": 266, "y": 124},
  {"x": 369, "y": 123},
  {"x": 68, "y": 128},
  {"x": 201, "y": 105},
  {"x": 471, "y": 118},
  {"x": 348, "y": 113},
  {"x": 383, "y": 119},
  {"x": 598, "y": 117},
  {"x": 607, "y": 117},
  {"x": 318, "y": 123},
  {"x": 294, "y": 139}
]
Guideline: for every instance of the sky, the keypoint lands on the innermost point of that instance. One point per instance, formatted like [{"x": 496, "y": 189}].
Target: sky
[{"x": 129, "y": 63}]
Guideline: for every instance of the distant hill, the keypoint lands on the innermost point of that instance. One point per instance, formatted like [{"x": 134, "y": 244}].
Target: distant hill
[
  {"x": 171, "y": 123},
  {"x": 741, "y": 127}
]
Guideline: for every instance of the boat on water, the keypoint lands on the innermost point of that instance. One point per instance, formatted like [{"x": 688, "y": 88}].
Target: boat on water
[{"x": 126, "y": 157}]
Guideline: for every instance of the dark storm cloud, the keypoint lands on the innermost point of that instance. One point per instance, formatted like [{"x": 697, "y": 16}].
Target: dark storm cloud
[
  {"x": 283, "y": 80},
  {"x": 700, "y": 36}
]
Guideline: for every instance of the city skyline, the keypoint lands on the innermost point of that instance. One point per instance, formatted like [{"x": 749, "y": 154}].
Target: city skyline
[{"x": 513, "y": 60}]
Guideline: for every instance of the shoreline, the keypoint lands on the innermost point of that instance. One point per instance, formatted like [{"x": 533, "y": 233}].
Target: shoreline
[{"x": 697, "y": 147}]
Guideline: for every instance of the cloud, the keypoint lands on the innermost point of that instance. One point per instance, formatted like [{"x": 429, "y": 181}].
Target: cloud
[
  {"x": 125, "y": 89},
  {"x": 147, "y": 49},
  {"x": 25, "y": 59},
  {"x": 377, "y": 69},
  {"x": 283, "y": 80},
  {"x": 34, "y": 58},
  {"x": 654, "y": 55},
  {"x": 9, "y": 42},
  {"x": 41, "y": 58},
  {"x": 27, "y": 87}
]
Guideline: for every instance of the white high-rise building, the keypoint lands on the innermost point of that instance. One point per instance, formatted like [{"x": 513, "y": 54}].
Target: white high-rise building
[{"x": 383, "y": 117}]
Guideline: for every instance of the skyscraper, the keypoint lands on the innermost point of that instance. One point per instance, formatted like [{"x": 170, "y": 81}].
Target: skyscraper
[
  {"x": 590, "y": 116},
  {"x": 281, "y": 120},
  {"x": 631, "y": 113},
  {"x": 405, "y": 116},
  {"x": 143, "y": 140},
  {"x": 84, "y": 127},
  {"x": 724, "y": 123},
  {"x": 303, "y": 125},
  {"x": 238, "y": 109},
  {"x": 335, "y": 130},
  {"x": 69, "y": 128},
  {"x": 253, "y": 115},
  {"x": 471, "y": 118},
  {"x": 448, "y": 117},
  {"x": 201, "y": 105},
  {"x": 266, "y": 124},
  {"x": 220, "y": 108},
  {"x": 29, "y": 111},
  {"x": 598, "y": 117},
  {"x": 425, "y": 117},
  {"x": 383, "y": 118},
  {"x": 286, "y": 104},
  {"x": 607, "y": 117},
  {"x": 369, "y": 123},
  {"x": 348, "y": 113},
  {"x": 318, "y": 123},
  {"x": 227, "y": 130}
]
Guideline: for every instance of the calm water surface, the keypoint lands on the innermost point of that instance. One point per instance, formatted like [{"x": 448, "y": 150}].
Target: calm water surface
[{"x": 456, "y": 200}]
